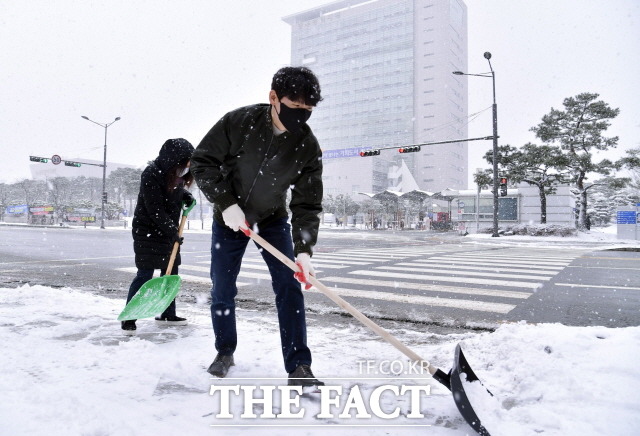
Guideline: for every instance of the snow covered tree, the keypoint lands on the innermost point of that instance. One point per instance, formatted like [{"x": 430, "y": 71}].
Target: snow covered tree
[
  {"x": 483, "y": 178},
  {"x": 578, "y": 131},
  {"x": 606, "y": 195},
  {"x": 60, "y": 193},
  {"x": 5, "y": 195},
  {"x": 340, "y": 205},
  {"x": 631, "y": 163},
  {"x": 543, "y": 166},
  {"x": 124, "y": 184}
]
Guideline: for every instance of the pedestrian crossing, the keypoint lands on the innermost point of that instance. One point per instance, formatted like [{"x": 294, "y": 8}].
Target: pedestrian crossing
[
  {"x": 478, "y": 279},
  {"x": 453, "y": 276}
]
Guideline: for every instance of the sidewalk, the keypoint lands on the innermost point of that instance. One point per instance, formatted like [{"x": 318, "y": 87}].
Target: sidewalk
[{"x": 67, "y": 370}]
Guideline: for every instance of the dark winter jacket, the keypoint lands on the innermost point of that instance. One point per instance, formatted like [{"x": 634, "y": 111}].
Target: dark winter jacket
[
  {"x": 156, "y": 218},
  {"x": 242, "y": 161}
]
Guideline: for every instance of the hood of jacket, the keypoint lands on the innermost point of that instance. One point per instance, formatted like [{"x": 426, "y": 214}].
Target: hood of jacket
[{"x": 174, "y": 152}]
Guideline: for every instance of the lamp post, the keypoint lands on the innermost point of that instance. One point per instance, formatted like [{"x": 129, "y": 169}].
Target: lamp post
[
  {"x": 104, "y": 165},
  {"x": 491, "y": 74}
]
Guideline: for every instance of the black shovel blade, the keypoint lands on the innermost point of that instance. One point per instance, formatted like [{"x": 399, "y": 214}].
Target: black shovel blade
[{"x": 462, "y": 373}]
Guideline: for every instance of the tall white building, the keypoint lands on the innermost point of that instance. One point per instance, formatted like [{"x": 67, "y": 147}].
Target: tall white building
[{"x": 385, "y": 71}]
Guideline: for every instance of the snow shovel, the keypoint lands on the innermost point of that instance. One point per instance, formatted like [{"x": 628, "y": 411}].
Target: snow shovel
[
  {"x": 453, "y": 380},
  {"x": 157, "y": 294}
]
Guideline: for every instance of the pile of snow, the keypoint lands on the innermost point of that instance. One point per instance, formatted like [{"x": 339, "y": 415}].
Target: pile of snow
[
  {"x": 541, "y": 230},
  {"x": 67, "y": 370}
]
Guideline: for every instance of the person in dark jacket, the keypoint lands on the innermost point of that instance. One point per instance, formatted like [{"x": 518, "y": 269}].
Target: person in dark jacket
[
  {"x": 156, "y": 219},
  {"x": 245, "y": 165}
]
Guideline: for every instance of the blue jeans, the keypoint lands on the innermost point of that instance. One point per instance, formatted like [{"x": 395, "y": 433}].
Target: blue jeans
[
  {"x": 142, "y": 277},
  {"x": 227, "y": 249}
]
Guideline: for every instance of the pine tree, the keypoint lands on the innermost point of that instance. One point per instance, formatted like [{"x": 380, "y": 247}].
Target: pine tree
[
  {"x": 578, "y": 131},
  {"x": 543, "y": 166}
]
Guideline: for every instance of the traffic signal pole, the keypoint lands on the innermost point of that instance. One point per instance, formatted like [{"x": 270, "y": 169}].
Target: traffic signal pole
[
  {"x": 416, "y": 147},
  {"x": 104, "y": 164},
  {"x": 104, "y": 178}
]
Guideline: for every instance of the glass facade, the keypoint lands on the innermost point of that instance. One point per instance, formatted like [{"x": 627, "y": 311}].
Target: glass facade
[
  {"x": 507, "y": 209},
  {"x": 365, "y": 53}
]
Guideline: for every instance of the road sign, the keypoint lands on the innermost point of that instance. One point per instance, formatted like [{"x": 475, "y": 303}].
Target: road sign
[
  {"x": 626, "y": 217},
  {"x": 461, "y": 205},
  {"x": 55, "y": 159}
]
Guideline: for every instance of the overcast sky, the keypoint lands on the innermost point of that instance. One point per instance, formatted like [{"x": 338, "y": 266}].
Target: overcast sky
[{"x": 172, "y": 68}]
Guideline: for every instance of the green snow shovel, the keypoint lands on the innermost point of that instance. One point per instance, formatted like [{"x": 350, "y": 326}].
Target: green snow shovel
[
  {"x": 157, "y": 294},
  {"x": 456, "y": 380}
]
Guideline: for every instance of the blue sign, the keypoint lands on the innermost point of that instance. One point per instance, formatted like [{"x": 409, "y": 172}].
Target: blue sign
[
  {"x": 626, "y": 217},
  {"x": 17, "y": 210},
  {"x": 343, "y": 152}
]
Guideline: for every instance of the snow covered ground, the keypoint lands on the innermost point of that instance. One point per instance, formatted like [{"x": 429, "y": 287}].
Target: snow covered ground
[{"x": 67, "y": 370}]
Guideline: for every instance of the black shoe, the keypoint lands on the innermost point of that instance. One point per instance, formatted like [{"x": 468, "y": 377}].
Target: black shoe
[
  {"x": 220, "y": 365},
  {"x": 171, "y": 320},
  {"x": 128, "y": 327},
  {"x": 302, "y": 376}
]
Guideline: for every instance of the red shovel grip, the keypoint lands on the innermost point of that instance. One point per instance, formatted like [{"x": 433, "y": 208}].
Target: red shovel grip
[
  {"x": 246, "y": 231},
  {"x": 299, "y": 276}
]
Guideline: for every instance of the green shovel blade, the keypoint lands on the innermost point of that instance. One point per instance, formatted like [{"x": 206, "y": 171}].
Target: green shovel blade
[{"x": 152, "y": 298}]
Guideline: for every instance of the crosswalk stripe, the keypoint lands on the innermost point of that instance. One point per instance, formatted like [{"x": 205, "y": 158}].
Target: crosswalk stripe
[
  {"x": 449, "y": 279},
  {"x": 328, "y": 265},
  {"x": 619, "y": 287},
  {"x": 517, "y": 256},
  {"x": 196, "y": 268},
  {"x": 254, "y": 266},
  {"x": 365, "y": 256},
  {"x": 253, "y": 263},
  {"x": 184, "y": 277},
  {"x": 252, "y": 275},
  {"x": 429, "y": 287},
  {"x": 490, "y": 264},
  {"x": 523, "y": 256},
  {"x": 205, "y": 280},
  {"x": 463, "y": 272},
  {"x": 511, "y": 261},
  {"x": 246, "y": 274},
  {"x": 462, "y": 266},
  {"x": 317, "y": 259},
  {"x": 481, "y": 306},
  {"x": 608, "y": 268}
]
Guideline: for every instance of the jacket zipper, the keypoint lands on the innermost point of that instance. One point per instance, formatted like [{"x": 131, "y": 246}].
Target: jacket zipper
[{"x": 264, "y": 161}]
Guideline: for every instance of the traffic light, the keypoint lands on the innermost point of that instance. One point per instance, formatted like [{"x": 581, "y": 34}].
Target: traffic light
[
  {"x": 373, "y": 152},
  {"x": 104, "y": 197},
  {"x": 72, "y": 164},
  {"x": 410, "y": 149},
  {"x": 38, "y": 159},
  {"x": 503, "y": 186}
]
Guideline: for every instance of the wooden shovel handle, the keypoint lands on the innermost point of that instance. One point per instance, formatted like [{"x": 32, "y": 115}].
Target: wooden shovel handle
[
  {"x": 342, "y": 303},
  {"x": 176, "y": 245}
]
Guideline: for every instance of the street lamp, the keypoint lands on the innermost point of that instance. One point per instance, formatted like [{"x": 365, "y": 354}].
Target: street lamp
[
  {"x": 491, "y": 74},
  {"x": 104, "y": 165}
]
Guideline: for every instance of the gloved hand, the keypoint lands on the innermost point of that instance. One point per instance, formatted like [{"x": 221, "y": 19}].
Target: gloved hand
[
  {"x": 303, "y": 260},
  {"x": 175, "y": 238},
  {"x": 187, "y": 198},
  {"x": 234, "y": 218}
]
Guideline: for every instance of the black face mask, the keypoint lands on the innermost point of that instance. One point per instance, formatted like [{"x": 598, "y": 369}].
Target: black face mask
[{"x": 293, "y": 119}]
